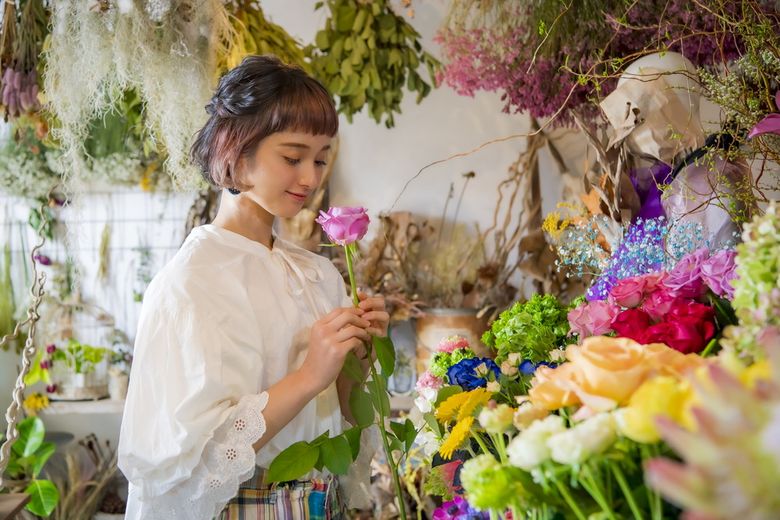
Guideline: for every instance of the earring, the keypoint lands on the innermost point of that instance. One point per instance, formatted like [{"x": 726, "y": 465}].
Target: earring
[{"x": 233, "y": 191}]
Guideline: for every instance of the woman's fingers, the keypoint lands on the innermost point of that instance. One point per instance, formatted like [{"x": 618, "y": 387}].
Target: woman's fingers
[
  {"x": 350, "y": 332},
  {"x": 347, "y": 317}
]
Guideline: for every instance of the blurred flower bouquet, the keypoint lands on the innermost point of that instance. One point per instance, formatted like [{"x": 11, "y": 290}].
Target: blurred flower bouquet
[{"x": 632, "y": 420}]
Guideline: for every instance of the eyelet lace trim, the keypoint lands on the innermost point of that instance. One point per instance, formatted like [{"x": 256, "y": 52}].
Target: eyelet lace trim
[{"x": 228, "y": 459}]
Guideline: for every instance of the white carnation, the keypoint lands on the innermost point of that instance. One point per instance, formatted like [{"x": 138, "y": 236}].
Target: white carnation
[
  {"x": 590, "y": 437},
  {"x": 529, "y": 449}
]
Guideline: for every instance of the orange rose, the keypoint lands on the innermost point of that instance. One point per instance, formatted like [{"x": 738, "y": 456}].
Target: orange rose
[
  {"x": 669, "y": 362},
  {"x": 608, "y": 370},
  {"x": 550, "y": 388}
]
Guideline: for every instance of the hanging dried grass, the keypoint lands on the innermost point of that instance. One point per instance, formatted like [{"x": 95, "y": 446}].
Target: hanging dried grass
[{"x": 168, "y": 53}]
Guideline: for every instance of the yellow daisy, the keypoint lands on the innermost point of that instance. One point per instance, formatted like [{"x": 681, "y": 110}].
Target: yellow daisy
[
  {"x": 477, "y": 397},
  {"x": 459, "y": 433},
  {"x": 448, "y": 410}
]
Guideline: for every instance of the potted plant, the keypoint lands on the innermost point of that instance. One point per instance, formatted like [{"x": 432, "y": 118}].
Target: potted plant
[
  {"x": 120, "y": 360},
  {"x": 70, "y": 372},
  {"x": 28, "y": 456}
]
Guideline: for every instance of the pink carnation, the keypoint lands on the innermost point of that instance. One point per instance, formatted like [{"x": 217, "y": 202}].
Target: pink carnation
[
  {"x": 452, "y": 343},
  {"x": 428, "y": 380}
]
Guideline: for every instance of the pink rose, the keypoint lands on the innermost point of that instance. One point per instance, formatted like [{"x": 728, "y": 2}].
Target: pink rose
[
  {"x": 685, "y": 278},
  {"x": 344, "y": 226},
  {"x": 659, "y": 303},
  {"x": 592, "y": 319},
  {"x": 718, "y": 272},
  {"x": 628, "y": 292}
]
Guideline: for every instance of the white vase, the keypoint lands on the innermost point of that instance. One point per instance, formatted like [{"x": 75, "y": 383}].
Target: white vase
[
  {"x": 117, "y": 386},
  {"x": 78, "y": 380}
]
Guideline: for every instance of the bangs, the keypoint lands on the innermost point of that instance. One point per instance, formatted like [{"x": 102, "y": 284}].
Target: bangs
[{"x": 304, "y": 106}]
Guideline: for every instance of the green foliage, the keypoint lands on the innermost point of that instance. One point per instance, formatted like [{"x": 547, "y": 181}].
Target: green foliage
[
  {"x": 79, "y": 357},
  {"x": 7, "y": 306},
  {"x": 442, "y": 361},
  {"x": 365, "y": 56},
  {"x": 531, "y": 329},
  {"x": 28, "y": 456}
]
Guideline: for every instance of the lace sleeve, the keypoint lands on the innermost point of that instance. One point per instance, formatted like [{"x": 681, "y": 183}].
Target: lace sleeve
[{"x": 228, "y": 459}]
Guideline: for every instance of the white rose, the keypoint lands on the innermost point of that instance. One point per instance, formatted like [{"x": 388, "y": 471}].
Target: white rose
[
  {"x": 590, "y": 437},
  {"x": 529, "y": 449}
]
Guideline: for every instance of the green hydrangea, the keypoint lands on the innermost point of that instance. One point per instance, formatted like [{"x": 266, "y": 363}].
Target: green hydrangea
[
  {"x": 757, "y": 286},
  {"x": 442, "y": 361},
  {"x": 531, "y": 329},
  {"x": 490, "y": 485}
]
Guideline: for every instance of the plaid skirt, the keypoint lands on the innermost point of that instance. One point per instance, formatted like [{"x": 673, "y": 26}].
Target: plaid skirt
[{"x": 315, "y": 499}]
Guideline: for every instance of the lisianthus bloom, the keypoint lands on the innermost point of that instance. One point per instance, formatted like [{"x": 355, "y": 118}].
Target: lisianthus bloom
[
  {"x": 529, "y": 449},
  {"x": 685, "y": 277},
  {"x": 344, "y": 225},
  {"x": 584, "y": 440},
  {"x": 719, "y": 271}
]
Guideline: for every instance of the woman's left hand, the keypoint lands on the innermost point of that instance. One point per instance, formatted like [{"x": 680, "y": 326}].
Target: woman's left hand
[{"x": 374, "y": 307}]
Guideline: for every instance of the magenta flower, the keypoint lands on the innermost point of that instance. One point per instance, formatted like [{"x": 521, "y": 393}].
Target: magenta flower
[
  {"x": 51, "y": 389},
  {"x": 770, "y": 124},
  {"x": 42, "y": 259},
  {"x": 51, "y": 348},
  {"x": 344, "y": 225}
]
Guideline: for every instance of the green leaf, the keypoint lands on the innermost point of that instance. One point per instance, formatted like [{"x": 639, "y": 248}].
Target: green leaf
[
  {"x": 353, "y": 438},
  {"x": 379, "y": 395},
  {"x": 321, "y": 439},
  {"x": 353, "y": 368},
  {"x": 43, "y": 497},
  {"x": 398, "y": 429},
  {"x": 337, "y": 455},
  {"x": 294, "y": 462},
  {"x": 446, "y": 392},
  {"x": 31, "y": 432},
  {"x": 46, "y": 450},
  {"x": 411, "y": 434},
  {"x": 385, "y": 353},
  {"x": 432, "y": 423},
  {"x": 360, "y": 405},
  {"x": 345, "y": 18}
]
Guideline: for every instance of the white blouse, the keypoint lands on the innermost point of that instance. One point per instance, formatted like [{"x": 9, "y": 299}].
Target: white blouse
[{"x": 222, "y": 322}]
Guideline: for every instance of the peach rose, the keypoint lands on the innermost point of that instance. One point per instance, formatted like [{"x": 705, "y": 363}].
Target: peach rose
[
  {"x": 667, "y": 361},
  {"x": 550, "y": 387},
  {"x": 608, "y": 371}
]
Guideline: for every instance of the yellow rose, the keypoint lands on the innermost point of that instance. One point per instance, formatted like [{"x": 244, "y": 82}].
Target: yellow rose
[
  {"x": 662, "y": 395},
  {"x": 667, "y": 361},
  {"x": 608, "y": 370},
  {"x": 550, "y": 387}
]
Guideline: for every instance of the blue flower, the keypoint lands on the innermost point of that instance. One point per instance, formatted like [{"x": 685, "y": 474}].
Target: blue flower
[
  {"x": 527, "y": 367},
  {"x": 464, "y": 373}
]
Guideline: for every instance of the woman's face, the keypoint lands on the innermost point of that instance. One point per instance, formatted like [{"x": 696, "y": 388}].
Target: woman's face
[{"x": 286, "y": 168}]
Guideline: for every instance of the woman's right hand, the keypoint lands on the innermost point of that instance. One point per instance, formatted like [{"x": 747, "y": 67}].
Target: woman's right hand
[{"x": 332, "y": 337}]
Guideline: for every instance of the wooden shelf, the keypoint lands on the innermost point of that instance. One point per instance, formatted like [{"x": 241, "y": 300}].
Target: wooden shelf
[{"x": 102, "y": 406}]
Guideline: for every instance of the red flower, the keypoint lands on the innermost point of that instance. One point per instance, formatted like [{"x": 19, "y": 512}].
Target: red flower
[
  {"x": 632, "y": 324},
  {"x": 685, "y": 335},
  {"x": 691, "y": 309}
]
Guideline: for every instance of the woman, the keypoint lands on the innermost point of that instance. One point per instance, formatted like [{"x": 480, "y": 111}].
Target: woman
[{"x": 242, "y": 336}]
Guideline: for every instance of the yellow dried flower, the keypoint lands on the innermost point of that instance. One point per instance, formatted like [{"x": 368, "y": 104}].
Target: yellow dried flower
[
  {"x": 34, "y": 403},
  {"x": 458, "y": 435},
  {"x": 554, "y": 224}
]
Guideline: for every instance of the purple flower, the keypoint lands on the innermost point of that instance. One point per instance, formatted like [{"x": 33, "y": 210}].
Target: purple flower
[
  {"x": 45, "y": 365},
  {"x": 42, "y": 259},
  {"x": 685, "y": 278},
  {"x": 770, "y": 124},
  {"x": 51, "y": 348},
  {"x": 718, "y": 272},
  {"x": 51, "y": 389},
  {"x": 464, "y": 373},
  {"x": 458, "y": 509},
  {"x": 344, "y": 226}
]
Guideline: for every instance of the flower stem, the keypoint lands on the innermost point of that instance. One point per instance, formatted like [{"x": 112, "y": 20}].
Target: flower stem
[
  {"x": 349, "y": 250},
  {"x": 621, "y": 480},
  {"x": 708, "y": 349},
  {"x": 593, "y": 487},
  {"x": 569, "y": 500}
]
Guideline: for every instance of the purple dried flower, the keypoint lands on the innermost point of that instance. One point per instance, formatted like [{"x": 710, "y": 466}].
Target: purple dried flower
[{"x": 42, "y": 259}]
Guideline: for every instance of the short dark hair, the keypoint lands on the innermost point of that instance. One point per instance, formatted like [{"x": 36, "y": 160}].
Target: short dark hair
[{"x": 257, "y": 98}]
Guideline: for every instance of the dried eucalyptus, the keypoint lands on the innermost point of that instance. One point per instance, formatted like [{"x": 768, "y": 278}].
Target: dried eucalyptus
[{"x": 366, "y": 54}]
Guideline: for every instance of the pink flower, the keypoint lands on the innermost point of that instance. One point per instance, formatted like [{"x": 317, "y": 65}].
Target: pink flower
[
  {"x": 659, "y": 303},
  {"x": 430, "y": 381},
  {"x": 770, "y": 124},
  {"x": 452, "y": 343},
  {"x": 592, "y": 319},
  {"x": 344, "y": 226},
  {"x": 685, "y": 279},
  {"x": 632, "y": 324},
  {"x": 628, "y": 292},
  {"x": 718, "y": 272}
]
